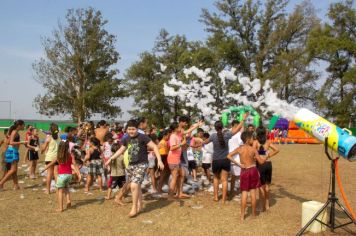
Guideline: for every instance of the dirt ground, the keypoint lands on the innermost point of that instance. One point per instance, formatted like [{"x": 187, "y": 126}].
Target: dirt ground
[{"x": 300, "y": 173}]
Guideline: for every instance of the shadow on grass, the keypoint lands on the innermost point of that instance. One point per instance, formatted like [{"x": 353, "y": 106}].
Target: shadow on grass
[
  {"x": 156, "y": 204},
  {"x": 281, "y": 192},
  {"x": 80, "y": 203}
]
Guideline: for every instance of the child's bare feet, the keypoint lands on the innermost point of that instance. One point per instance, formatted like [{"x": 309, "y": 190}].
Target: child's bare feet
[
  {"x": 119, "y": 203},
  {"x": 183, "y": 196},
  {"x": 133, "y": 213},
  {"x": 69, "y": 205},
  {"x": 107, "y": 198},
  {"x": 16, "y": 187},
  {"x": 59, "y": 210}
]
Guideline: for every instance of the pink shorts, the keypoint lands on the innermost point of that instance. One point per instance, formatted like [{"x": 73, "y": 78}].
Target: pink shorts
[{"x": 249, "y": 179}]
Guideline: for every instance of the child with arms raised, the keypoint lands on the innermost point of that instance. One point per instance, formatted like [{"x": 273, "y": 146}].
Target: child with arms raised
[{"x": 249, "y": 178}]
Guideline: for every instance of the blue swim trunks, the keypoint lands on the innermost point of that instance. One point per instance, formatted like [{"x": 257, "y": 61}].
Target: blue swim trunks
[{"x": 11, "y": 155}]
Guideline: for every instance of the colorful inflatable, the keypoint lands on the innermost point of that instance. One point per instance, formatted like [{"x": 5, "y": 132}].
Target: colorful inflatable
[{"x": 237, "y": 112}]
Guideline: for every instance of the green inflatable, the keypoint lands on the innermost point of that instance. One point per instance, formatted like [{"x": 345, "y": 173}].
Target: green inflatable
[
  {"x": 239, "y": 112},
  {"x": 273, "y": 122}
]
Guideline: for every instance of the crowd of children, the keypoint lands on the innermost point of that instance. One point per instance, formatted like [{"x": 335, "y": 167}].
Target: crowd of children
[{"x": 122, "y": 158}]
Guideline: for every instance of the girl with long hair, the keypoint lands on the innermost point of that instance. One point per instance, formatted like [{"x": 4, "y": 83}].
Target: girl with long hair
[
  {"x": 221, "y": 164},
  {"x": 12, "y": 153},
  {"x": 65, "y": 162},
  {"x": 266, "y": 150},
  {"x": 50, "y": 147}
]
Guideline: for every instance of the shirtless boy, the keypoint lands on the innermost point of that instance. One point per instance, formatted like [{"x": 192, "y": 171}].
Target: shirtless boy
[{"x": 250, "y": 178}]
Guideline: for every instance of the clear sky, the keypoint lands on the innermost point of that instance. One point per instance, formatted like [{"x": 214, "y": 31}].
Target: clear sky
[{"x": 135, "y": 23}]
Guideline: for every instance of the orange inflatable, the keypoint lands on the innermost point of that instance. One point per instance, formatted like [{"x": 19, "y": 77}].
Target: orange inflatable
[{"x": 296, "y": 135}]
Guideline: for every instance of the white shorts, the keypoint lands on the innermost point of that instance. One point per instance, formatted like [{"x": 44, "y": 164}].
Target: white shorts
[{"x": 235, "y": 169}]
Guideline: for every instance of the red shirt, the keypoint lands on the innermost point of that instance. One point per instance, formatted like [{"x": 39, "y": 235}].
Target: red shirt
[{"x": 66, "y": 168}]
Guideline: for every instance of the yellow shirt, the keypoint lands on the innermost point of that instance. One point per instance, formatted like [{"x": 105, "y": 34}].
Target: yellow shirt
[{"x": 163, "y": 147}]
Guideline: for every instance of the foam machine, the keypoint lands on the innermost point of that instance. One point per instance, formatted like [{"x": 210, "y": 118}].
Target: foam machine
[
  {"x": 339, "y": 140},
  {"x": 342, "y": 142}
]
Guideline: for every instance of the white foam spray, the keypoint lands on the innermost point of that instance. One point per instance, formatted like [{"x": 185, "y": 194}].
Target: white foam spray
[{"x": 202, "y": 93}]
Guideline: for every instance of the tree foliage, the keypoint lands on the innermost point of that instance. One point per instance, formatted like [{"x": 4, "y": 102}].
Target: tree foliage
[
  {"x": 335, "y": 43},
  {"x": 264, "y": 42},
  {"x": 77, "y": 70}
]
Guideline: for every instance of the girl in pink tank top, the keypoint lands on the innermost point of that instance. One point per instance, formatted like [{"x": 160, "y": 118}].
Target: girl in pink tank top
[{"x": 65, "y": 163}]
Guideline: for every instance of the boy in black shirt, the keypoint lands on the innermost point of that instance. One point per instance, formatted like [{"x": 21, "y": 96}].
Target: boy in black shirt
[{"x": 136, "y": 145}]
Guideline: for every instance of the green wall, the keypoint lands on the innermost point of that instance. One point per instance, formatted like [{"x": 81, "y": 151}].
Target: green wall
[{"x": 44, "y": 125}]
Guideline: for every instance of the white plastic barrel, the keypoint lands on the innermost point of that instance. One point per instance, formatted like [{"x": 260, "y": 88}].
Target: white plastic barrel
[{"x": 309, "y": 209}]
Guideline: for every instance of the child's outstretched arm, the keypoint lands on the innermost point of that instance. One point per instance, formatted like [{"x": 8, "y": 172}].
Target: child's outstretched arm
[
  {"x": 236, "y": 129},
  {"x": 117, "y": 154},
  {"x": 49, "y": 165},
  {"x": 193, "y": 127}
]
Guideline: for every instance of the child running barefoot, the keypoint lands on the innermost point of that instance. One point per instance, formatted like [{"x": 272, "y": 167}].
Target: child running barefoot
[
  {"x": 117, "y": 176},
  {"x": 136, "y": 145},
  {"x": 95, "y": 164},
  {"x": 65, "y": 163},
  {"x": 33, "y": 151},
  {"x": 250, "y": 178}
]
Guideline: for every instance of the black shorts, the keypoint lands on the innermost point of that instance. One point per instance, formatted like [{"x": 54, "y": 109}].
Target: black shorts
[
  {"x": 206, "y": 166},
  {"x": 47, "y": 162},
  {"x": 165, "y": 162},
  {"x": 222, "y": 164},
  {"x": 117, "y": 181},
  {"x": 192, "y": 165},
  {"x": 8, "y": 166},
  {"x": 265, "y": 172},
  {"x": 32, "y": 156}
]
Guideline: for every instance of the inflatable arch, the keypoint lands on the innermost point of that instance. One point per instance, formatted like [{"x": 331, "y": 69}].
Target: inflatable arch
[{"x": 238, "y": 112}]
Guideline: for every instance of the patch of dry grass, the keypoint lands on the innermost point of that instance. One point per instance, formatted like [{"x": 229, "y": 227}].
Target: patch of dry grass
[{"x": 300, "y": 173}]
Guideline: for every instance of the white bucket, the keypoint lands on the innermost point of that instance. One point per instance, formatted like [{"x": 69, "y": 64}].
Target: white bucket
[{"x": 309, "y": 209}]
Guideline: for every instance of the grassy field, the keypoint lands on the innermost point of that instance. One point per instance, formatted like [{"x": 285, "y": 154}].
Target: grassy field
[{"x": 300, "y": 173}]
